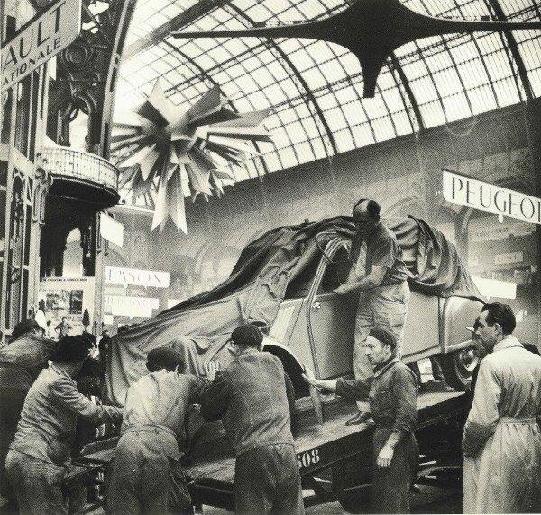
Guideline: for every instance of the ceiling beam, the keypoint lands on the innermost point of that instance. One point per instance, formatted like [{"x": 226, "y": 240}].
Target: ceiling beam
[
  {"x": 184, "y": 18},
  {"x": 515, "y": 52}
]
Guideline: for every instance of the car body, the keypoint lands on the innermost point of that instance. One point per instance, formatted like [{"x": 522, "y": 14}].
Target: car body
[{"x": 317, "y": 326}]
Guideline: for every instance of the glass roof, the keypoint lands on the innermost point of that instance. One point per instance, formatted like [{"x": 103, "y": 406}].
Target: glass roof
[{"x": 315, "y": 88}]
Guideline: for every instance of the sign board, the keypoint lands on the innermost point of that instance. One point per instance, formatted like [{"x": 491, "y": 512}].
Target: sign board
[
  {"x": 141, "y": 307},
  {"x": 39, "y": 40},
  {"x": 147, "y": 278},
  {"x": 465, "y": 191},
  {"x": 111, "y": 230},
  {"x": 68, "y": 297}
]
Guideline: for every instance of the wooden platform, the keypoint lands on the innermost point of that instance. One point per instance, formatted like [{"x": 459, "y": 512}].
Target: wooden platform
[{"x": 331, "y": 439}]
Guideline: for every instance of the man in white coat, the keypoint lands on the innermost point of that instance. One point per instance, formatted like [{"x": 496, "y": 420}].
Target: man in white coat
[{"x": 502, "y": 439}]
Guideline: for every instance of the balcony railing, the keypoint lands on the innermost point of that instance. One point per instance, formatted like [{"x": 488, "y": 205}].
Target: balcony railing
[{"x": 81, "y": 165}]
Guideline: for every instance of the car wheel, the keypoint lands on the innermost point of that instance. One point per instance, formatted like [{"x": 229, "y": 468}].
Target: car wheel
[{"x": 458, "y": 367}]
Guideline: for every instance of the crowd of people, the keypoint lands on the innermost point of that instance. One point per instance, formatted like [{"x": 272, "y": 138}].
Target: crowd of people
[{"x": 41, "y": 401}]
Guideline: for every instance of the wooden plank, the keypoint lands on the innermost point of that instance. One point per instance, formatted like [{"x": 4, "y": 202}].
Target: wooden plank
[{"x": 329, "y": 438}]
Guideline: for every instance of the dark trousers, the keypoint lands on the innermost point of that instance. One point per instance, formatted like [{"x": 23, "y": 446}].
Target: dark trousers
[
  {"x": 390, "y": 490},
  {"x": 267, "y": 480},
  {"x": 11, "y": 405}
]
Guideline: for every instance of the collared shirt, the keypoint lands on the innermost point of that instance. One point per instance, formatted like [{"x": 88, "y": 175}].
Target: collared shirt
[
  {"x": 393, "y": 395},
  {"x": 161, "y": 400},
  {"x": 46, "y": 429},
  {"x": 382, "y": 250},
  {"x": 256, "y": 400}
]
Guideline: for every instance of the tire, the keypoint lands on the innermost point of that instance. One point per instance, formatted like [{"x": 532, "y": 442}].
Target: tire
[
  {"x": 357, "y": 501},
  {"x": 458, "y": 367}
]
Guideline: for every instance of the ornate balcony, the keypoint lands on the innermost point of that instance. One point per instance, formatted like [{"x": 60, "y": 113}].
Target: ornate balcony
[{"x": 81, "y": 176}]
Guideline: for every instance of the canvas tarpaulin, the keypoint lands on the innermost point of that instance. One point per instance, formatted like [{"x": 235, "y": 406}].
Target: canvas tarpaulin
[{"x": 200, "y": 326}]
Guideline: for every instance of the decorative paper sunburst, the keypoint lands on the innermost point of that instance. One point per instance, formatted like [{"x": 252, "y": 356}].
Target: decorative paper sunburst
[{"x": 173, "y": 151}]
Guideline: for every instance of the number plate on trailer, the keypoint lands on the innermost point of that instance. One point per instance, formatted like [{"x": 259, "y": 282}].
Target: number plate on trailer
[{"x": 308, "y": 459}]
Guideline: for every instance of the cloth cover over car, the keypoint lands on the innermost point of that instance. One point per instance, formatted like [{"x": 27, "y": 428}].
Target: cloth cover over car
[{"x": 200, "y": 326}]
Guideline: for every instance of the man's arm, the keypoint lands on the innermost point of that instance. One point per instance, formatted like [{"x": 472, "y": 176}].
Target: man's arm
[
  {"x": 484, "y": 414},
  {"x": 65, "y": 392},
  {"x": 352, "y": 389},
  {"x": 372, "y": 280}
]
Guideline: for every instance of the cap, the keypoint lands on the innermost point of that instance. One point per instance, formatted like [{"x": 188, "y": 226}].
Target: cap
[{"x": 71, "y": 349}]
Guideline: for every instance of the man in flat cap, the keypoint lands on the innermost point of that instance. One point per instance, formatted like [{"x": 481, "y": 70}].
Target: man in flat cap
[
  {"x": 256, "y": 401},
  {"x": 146, "y": 476},
  {"x": 40, "y": 452}
]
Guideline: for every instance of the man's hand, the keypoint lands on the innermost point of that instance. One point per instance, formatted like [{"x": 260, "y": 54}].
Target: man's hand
[
  {"x": 385, "y": 456},
  {"x": 211, "y": 368},
  {"x": 342, "y": 289},
  {"x": 320, "y": 384},
  {"x": 308, "y": 376}
]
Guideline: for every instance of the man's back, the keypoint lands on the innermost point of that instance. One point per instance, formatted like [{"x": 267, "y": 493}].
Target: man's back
[
  {"x": 160, "y": 399},
  {"x": 252, "y": 397}
]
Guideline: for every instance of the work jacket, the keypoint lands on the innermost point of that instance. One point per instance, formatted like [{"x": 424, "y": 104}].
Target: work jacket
[
  {"x": 46, "y": 429},
  {"x": 256, "y": 400}
]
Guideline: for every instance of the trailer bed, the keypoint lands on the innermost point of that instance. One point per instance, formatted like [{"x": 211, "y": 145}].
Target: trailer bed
[
  {"x": 331, "y": 448},
  {"x": 320, "y": 446}
]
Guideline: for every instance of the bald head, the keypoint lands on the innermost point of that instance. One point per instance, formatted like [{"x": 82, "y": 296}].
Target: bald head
[{"x": 366, "y": 211}]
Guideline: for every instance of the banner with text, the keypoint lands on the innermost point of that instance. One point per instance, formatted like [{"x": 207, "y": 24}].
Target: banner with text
[
  {"x": 40, "y": 40},
  {"x": 136, "y": 277},
  {"x": 465, "y": 191}
]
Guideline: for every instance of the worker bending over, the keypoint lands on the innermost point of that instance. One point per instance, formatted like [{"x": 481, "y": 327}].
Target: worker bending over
[
  {"x": 147, "y": 476},
  {"x": 256, "y": 400},
  {"x": 40, "y": 452}
]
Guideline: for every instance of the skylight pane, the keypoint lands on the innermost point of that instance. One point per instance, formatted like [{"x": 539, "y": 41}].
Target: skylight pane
[
  {"x": 432, "y": 114},
  {"x": 363, "y": 135},
  {"x": 344, "y": 140},
  {"x": 456, "y": 107},
  {"x": 383, "y": 129}
]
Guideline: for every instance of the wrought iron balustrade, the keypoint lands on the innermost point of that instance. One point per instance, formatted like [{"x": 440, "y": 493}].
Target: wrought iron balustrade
[{"x": 80, "y": 165}]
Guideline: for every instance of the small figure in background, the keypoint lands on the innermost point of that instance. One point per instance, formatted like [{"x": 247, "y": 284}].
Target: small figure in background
[
  {"x": 40, "y": 317},
  {"x": 63, "y": 327},
  {"x": 50, "y": 333}
]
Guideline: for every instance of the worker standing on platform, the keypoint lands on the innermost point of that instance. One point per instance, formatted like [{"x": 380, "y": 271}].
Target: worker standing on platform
[
  {"x": 381, "y": 281},
  {"x": 147, "y": 476},
  {"x": 502, "y": 438},
  {"x": 393, "y": 403},
  {"x": 256, "y": 401},
  {"x": 40, "y": 452}
]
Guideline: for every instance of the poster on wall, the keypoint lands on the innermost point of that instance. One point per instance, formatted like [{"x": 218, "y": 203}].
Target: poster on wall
[{"x": 69, "y": 304}]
